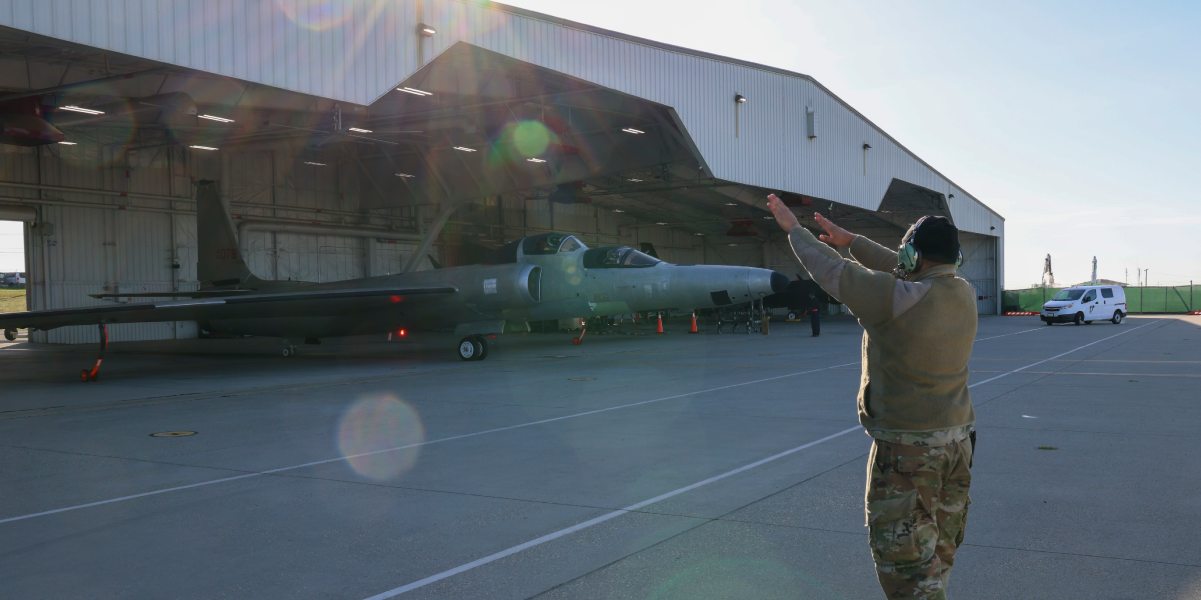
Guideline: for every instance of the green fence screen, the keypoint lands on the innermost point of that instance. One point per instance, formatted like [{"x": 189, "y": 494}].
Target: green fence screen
[{"x": 1176, "y": 299}]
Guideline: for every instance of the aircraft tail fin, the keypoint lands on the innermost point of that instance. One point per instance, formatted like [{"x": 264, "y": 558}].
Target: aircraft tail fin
[{"x": 219, "y": 261}]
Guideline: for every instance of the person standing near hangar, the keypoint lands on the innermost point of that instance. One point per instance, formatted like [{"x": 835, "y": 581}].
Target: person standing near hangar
[{"x": 919, "y": 321}]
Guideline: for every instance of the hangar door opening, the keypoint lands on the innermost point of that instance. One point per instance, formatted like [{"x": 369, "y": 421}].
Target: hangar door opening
[
  {"x": 13, "y": 270},
  {"x": 980, "y": 268}
]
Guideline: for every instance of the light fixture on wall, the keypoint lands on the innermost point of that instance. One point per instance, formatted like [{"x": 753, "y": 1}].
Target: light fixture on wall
[
  {"x": 867, "y": 146},
  {"x": 739, "y": 99},
  {"x": 426, "y": 30}
]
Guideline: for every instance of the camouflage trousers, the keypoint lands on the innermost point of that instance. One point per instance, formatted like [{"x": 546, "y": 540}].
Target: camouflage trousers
[{"x": 916, "y": 504}]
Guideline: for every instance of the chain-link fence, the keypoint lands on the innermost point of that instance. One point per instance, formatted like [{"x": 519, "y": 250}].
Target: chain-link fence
[{"x": 1147, "y": 299}]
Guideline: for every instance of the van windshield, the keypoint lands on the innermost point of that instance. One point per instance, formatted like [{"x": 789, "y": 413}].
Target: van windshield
[{"x": 1068, "y": 295}]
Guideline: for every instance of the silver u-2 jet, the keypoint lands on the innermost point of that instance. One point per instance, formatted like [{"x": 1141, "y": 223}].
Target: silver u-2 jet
[{"x": 542, "y": 277}]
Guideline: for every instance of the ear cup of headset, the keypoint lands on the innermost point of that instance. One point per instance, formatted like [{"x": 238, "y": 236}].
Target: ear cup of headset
[{"x": 908, "y": 257}]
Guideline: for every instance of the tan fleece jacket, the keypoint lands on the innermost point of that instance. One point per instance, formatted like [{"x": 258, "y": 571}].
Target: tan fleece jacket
[{"x": 917, "y": 337}]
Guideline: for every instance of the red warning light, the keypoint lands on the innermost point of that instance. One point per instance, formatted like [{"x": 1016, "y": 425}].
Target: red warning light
[
  {"x": 402, "y": 332},
  {"x": 394, "y": 299}
]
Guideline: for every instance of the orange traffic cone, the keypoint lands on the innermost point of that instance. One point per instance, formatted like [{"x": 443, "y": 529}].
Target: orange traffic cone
[
  {"x": 692, "y": 329},
  {"x": 659, "y": 327}
]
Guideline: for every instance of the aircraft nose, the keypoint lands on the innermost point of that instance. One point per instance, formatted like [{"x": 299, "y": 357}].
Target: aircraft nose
[{"x": 779, "y": 282}]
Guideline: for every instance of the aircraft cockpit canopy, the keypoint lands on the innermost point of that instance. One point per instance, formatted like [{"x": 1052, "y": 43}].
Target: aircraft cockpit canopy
[
  {"x": 620, "y": 257},
  {"x": 542, "y": 244},
  {"x": 550, "y": 243}
]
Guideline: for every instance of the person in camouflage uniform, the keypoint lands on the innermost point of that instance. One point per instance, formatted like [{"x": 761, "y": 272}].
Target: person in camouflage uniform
[{"x": 919, "y": 321}]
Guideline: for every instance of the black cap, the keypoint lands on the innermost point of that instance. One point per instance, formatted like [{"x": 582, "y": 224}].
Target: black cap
[{"x": 937, "y": 239}]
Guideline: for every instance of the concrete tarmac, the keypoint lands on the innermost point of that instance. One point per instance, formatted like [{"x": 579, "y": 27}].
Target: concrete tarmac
[{"x": 632, "y": 466}]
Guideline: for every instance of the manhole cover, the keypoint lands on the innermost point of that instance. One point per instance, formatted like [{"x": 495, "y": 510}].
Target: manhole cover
[{"x": 173, "y": 434}]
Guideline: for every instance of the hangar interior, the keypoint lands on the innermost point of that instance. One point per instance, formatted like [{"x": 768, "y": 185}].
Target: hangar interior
[{"x": 470, "y": 149}]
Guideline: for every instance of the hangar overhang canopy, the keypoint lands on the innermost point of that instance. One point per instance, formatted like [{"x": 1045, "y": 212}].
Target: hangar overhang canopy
[{"x": 471, "y": 124}]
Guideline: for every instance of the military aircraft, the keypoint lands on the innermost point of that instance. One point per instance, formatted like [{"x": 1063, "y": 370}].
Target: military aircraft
[{"x": 541, "y": 277}]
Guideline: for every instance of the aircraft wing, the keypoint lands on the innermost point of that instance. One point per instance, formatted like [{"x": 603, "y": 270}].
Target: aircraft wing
[
  {"x": 192, "y": 294},
  {"x": 280, "y": 304}
]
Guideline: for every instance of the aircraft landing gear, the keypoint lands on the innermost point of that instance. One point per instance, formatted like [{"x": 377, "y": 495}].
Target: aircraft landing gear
[
  {"x": 473, "y": 347},
  {"x": 289, "y": 351},
  {"x": 10, "y": 335},
  {"x": 93, "y": 374}
]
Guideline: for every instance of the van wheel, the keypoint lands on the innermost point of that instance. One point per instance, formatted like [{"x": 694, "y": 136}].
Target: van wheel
[
  {"x": 1088, "y": 322},
  {"x": 1049, "y": 322},
  {"x": 1117, "y": 317},
  {"x": 1079, "y": 319}
]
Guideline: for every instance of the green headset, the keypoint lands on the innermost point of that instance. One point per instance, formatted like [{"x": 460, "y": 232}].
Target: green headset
[{"x": 908, "y": 256}]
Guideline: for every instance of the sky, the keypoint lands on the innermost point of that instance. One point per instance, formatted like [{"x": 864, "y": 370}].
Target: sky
[{"x": 1076, "y": 121}]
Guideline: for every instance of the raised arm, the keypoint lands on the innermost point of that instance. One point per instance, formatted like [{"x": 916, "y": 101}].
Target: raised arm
[{"x": 872, "y": 255}]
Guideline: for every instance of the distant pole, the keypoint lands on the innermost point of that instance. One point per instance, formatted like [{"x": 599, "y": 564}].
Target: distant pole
[{"x": 1190, "y": 296}]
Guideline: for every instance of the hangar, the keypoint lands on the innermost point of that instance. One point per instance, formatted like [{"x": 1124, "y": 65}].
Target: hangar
[{"x": 372, "y": 137}]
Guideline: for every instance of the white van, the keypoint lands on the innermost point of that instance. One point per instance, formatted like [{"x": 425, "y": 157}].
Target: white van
[{"x": 1085, "y": 304}]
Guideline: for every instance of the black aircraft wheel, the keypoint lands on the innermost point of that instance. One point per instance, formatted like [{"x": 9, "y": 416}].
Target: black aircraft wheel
[
  {"x": 1079, "y": 319},
  {"x": 791, "y": 316},
  {"x": 10, "y": 334},
  {"x": 288, "y": 351},
  {"x": 469, "y": 348},
  {"x": 1117, "y": 317}
]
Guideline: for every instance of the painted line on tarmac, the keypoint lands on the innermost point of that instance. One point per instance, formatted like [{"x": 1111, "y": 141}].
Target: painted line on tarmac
[
  {"x": 598, "y": 520},
  {"x": 1046, "y": 360},
  {"x": 1014, "y": 333},
  {"x": 405, "y": 447},
  {"x": 435, "y": 578}
]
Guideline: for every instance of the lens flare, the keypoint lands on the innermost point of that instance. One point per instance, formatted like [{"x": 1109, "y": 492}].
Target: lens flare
[
  {"x": 731, "y": 577},
  {"x": 377, "y": 435},
  {"x": 531, "y": 138},
  {"x": 316, "y": 15}
]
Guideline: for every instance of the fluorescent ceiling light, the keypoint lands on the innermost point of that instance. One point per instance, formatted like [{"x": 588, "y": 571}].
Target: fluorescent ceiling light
[
  {"x": 536, "y": 160},
  {"x": 731, "y": 245},
  {"x": 618, "y": 210},
  {"x": 633, "y": 131},
  {"x": 359, "y": 130},
  {"x": 698, "y": 233},
  {"x": 66, "y": 143},
  {"x": 314, "y": 163},
  {"x": 660, "y": 223},
  {"x": 634, "y": 180},
  {"x": 202, "y": 147},
  {"x": 415, "y": 91},
  {"x": 731, "y": 204},
  {"x": 405, "y": 175},
  {"x": 86, "y": 111},
  {"x": 464, "y": 149},
  {"x": 216, "y": 118},
  {"x": 768, "y": 218}
]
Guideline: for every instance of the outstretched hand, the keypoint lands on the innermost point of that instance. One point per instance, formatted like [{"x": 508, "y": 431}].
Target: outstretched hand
[
  {"x": 834, "y": 235},
  {"x": 782, "y": 213}
]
